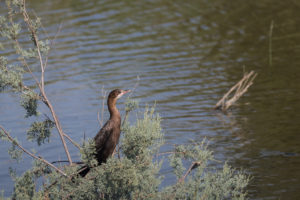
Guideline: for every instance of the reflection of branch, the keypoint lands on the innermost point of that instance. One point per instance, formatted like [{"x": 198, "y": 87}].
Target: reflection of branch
[
  {"x": 194, "y": 165},
  {"x": 31, "y": 154},
  {"x": 270, "y": 42},
  {"x": 240, "y": 88}
]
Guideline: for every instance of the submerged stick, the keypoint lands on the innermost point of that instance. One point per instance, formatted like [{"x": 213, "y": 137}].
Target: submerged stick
[{"x": 240, "y": 88}]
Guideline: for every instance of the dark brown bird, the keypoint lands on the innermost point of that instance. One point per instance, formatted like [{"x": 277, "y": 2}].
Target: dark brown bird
[{"x": 108, "y": 136}]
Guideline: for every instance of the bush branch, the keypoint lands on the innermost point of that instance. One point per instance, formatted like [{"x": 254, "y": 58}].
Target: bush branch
[{"x": 31, "y": 154}]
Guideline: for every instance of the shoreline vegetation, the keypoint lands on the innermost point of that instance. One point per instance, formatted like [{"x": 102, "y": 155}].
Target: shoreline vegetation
[{"x": 134, "y": 171}]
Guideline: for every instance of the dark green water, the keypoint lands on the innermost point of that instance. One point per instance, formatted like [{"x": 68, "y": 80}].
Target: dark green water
[{"x": 187, "y": 55}]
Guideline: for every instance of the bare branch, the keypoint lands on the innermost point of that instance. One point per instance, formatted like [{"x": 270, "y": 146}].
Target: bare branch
[
  {"x": 41, "y": 85},
  {"x": 28, "y": 22},
  {"x": 31, "y": 154},
  {"x": 19, "y": 48},
  {"x": 58, "y": 126},
  {"x": 72, "y": 141}
]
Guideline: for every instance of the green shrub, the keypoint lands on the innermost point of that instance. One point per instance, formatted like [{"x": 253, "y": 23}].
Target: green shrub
[{"x": 135, "y": 175}]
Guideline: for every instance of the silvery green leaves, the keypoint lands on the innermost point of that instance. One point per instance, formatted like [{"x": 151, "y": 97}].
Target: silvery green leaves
[
  {"x": 88, "y": 153},
  {"x": 131, "y": 105},
  {"x": 10, "y": 76},
  {"x": 13, "y": 150},
  {"x": 24, "y": 186},
  {"x": 29, "y": 103},
  {"x": 40, "y": 131},
  {"x": 9, "y": 30},
  {"x": 143, "y": 138}
]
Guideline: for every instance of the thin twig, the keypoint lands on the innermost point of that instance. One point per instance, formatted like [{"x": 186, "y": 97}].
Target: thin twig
[
  {"x": 58, "y": 127},
  {"x": 19, "y": 50},
  {"x": 72, "y": 141},
  {"x": 35, "y": 38},
  {"x": 135, "y": 86},
  {"x": 52, "y": 43},
  {"x": 31, "y": 154},
  {"x": 103, "y": 92}
]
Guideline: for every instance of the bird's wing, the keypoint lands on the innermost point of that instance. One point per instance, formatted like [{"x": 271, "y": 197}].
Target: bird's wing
[{"x": 103, "y": 135}]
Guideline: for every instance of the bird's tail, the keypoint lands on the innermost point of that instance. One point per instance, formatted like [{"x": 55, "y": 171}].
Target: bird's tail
[{"x": 83, "y": 171}]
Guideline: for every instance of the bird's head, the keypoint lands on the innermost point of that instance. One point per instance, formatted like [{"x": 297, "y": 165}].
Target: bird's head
[{"x": 117, "y": 93}]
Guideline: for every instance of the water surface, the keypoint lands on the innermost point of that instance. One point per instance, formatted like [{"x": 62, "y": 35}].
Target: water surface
[{"x": 187, "y": 56}]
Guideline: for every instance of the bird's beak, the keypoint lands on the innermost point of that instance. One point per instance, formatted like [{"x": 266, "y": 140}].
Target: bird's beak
[
  {"x": 122, "y": 93},
  {"x": 125, "y": 91}
]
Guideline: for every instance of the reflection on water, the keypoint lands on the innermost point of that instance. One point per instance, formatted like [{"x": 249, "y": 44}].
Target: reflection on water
[{"x": 187, "y": 55}]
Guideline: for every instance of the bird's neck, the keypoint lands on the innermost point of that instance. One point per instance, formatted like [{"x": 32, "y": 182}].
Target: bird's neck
[{"x": 113, "y": 111}]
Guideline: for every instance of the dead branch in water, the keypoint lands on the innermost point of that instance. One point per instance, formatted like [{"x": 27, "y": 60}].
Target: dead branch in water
[{"x": 240, "y": 88}]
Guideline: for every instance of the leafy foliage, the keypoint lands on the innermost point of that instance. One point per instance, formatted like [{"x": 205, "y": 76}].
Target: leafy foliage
[
  {"x": 40, "y": 131},
  {"x": 87, "y": 153},
  {"x": 205, "y": 182},
  {"x": 24, "y": 186},
  {"x": 29, "y": 103},
  {"x": 14, "y": 152},
  {"x": 131, "y": 105},
  {"x": 144, "y": 138},
  {"x": 10, "y": 76}
]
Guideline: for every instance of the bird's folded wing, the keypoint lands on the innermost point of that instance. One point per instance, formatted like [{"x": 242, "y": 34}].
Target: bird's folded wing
[{"x": 103, "y": 135}]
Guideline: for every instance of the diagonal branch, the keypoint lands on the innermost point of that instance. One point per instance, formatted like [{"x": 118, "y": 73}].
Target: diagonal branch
[
  {"x": 19, "y": 50},
  {"x": 42, "y": 84},
  {"x": 31, "y": 154}
]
